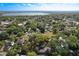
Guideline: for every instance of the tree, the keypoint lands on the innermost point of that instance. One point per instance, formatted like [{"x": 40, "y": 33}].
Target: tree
[
  {"x": 40, "y": 37},
  {"x": 15, "y": 30},
  {"x": 41, "y": 27},
  {"x": 13, "y": 51},
  {"x": 72, "y": 41},
  {"x": 31, "y": 53},
  {"x": 4, "y": 36},
  {"x": 1, "y": 44},
  {"x": 31, "y": 24},
  {"x": 59, "y": 47},
  {"x": 12, "y": 37}
]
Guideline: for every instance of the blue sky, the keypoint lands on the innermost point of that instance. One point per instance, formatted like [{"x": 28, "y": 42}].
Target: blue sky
[{"x": 39, "y": 6}]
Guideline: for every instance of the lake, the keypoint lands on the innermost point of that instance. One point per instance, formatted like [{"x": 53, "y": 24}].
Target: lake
[{"x": 23, "y": 13}]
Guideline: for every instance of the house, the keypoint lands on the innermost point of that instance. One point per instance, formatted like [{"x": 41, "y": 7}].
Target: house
[
  {"x": 5, "y": 22},
  {"x": 44, "y": 50},
  {"x": 20, "y": 24},
  {"x": 20, "y": 41},
  {"x": 8, "y": 45}
]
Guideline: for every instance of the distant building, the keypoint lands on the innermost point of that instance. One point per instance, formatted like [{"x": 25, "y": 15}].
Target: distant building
[{"x": 5, "y": 23}]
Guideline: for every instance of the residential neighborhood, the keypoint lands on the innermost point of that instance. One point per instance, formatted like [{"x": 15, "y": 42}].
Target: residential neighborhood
[{"x": 39, "y": 35}]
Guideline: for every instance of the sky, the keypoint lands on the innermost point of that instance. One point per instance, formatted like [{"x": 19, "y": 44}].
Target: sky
[{"x": 39, "y": 6}]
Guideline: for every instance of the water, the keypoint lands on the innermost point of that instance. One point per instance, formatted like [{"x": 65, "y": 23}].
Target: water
[{"x": 23, "y": 13}]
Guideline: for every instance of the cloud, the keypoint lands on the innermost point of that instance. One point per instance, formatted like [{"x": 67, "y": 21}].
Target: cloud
[
  {"x": 30, "y": 5},
  {"x": 55, "y": 7}
]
